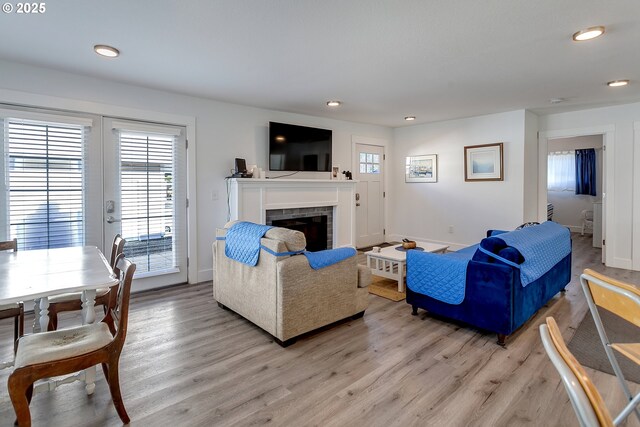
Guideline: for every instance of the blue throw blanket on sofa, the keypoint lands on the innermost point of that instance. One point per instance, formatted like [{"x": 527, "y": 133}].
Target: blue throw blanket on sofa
[
  {"x": 542, "y": 247},
  {"x": 321, "y": 259},
  {"x": 243, "y": 242},
  {"x": 442, "y": 277}
]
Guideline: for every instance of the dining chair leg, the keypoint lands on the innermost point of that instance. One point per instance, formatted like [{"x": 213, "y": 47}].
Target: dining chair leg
[
  {"x": 20, "y": 394},
  {"x": 16, "y": 333},
  {"x": 114, "y": 388}
]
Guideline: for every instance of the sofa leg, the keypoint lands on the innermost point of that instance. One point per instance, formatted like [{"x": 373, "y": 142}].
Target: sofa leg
[
  {"x": 286, "y": 343},
  {"x": 414, "y": 310},
  {"x": 501, "y": 339},
  {"x": 358, "y": 315},
  {"x": 563, "y": 290},
  {"x": 222, "y": 306}
]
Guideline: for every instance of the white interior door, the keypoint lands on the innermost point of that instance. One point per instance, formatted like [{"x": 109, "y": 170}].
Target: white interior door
[
  {"x": 369, "y": 195},
  {"x": 145, "y": 198}
]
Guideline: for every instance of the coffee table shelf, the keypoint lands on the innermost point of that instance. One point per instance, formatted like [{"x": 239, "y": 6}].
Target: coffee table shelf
[{"x": 391, "y": 263}]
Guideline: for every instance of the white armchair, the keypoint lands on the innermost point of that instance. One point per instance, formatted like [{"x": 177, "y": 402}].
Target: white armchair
[{"x": 282, "y": 294}]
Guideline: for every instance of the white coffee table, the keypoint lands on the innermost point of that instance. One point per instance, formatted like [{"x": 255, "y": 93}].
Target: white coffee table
[{"x": 390, "y": 262}]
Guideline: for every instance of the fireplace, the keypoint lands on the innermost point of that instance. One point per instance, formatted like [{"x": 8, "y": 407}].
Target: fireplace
[
  {"x": 315, "y": 223},
  {"x": 314, "y": 229}
]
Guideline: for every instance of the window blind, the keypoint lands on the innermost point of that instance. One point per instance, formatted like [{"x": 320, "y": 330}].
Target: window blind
[
  {"x": 44, "y": 182},
  {"x": 148, "y": 200}
]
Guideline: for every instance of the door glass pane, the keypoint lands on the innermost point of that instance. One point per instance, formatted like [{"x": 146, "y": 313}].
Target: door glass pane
[
  {"x": 363, "y": 168},
  {"x": 146, "y": 185},
  {"x": 369, "y": 168},
  {"x": 369, "y": 157},
  {"x": 45, "y": 183},
  {"x": 376, "y": 158},
  {"x": 363, "y": 157},
  {"x": 375, "y": 168}
]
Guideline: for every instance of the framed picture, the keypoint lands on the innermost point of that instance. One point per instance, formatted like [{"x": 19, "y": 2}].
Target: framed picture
[
  {"x": 335, "y": 172},
  {"x": 421, "y": 168},
  {"x": 484, "y": 162}
]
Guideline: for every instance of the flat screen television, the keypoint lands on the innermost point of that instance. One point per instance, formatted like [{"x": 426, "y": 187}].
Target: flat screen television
[{"x": 299, "y": 148}]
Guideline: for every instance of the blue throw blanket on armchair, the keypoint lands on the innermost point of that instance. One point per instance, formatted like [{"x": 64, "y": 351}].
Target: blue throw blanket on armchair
[
  {"x": 321, "y": 259},
  {"x": 243, "y": 242}
]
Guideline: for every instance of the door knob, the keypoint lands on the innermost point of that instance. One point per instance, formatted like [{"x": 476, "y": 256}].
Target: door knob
[
  {"x": 357, "y": 196},
  {"x": 111, "y": 219},
  {"x": 357, "y": 204}
]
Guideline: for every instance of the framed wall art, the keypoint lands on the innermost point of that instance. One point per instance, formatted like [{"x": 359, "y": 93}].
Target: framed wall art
[
  {"x": 421, "y": 168},
  {"x": 484, "y": 162}
]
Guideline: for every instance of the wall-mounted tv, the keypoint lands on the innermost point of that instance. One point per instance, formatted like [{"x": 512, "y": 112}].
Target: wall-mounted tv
[{"x": 299, "y": 148}]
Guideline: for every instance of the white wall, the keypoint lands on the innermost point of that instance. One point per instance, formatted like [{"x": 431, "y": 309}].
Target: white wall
[
  {"x": 568, "y": 206},
  {"x": 530, "y": 178},
  {"x": 622, "y": 215},
  {"x": 223, "y": 131},
  {"x": 425, "y": 211}
]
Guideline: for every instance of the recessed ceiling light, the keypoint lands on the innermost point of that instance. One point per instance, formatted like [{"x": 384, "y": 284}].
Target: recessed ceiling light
[
  {"x": 334, "y": 103},
  {"x": 410, "y": 118},
  {"x": 108, "y": 51},
  {"x": 557, "y": 100},
  {"x": 618, "y": 83},
  {"x": 588, "y": 33}
]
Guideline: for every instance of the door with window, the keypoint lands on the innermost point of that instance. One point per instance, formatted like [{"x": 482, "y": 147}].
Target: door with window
[
  {"x": 369, "y": 173},
  {"x": 145, "y": 198}
]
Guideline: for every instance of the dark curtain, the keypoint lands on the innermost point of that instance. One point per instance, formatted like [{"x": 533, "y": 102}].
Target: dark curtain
[{"x": 586, "y": 171}]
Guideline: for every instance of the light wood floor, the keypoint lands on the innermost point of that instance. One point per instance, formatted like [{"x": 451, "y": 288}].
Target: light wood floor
[{"x": 188, "y": 362}]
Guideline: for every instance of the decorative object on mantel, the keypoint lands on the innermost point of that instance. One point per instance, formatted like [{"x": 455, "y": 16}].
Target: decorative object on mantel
[
  {"x": 421, "y": 168},
  {"x": 484, "y": 162},
  {"x": 335, "y": 172},
  {"x": 347, "y": 175}
]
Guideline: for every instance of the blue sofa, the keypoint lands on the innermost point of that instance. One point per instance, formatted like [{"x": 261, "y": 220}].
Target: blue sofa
[{"x": 493, "y": 297}]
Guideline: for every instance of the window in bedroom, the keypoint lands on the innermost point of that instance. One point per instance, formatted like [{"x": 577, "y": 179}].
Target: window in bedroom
[{"x": 561, "y": 171}]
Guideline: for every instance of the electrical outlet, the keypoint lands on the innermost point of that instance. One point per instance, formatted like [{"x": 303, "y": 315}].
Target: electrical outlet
[
  {"x": 214, "y": 195},
  {"x": 451, "y": 229}
]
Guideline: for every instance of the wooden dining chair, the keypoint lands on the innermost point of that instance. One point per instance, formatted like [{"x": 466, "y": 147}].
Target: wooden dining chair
[
  {"x": 16, "y": 310},
  {"x": 72, "y": 301},
  {"x": 53, "y": 353},
  {"x": 623, "y": 300}
]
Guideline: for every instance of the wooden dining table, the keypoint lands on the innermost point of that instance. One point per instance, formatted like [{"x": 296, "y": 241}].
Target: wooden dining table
[{"x": 39, "y": 274}]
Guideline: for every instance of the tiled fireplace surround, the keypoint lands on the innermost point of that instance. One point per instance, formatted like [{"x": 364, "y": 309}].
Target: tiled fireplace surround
[{"x": 263, "y": 200}]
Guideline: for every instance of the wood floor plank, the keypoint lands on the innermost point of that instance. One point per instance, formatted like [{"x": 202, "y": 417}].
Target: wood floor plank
[{"x": 188, "y": 362}]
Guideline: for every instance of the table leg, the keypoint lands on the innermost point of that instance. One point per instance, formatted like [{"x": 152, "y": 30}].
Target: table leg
[
  {"x": 401, "y": 277},
  {"x": 44, "y": 313},
  {"x": 88, "y": 317}
]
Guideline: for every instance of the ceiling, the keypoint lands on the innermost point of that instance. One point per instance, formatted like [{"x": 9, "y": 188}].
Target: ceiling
[{"x": 384, "y": 59}]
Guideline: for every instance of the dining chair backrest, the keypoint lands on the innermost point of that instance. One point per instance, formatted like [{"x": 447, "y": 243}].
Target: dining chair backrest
[
  {"x": 585, "y": 398},
  {"x": 618, "y": 297},
  {"x": 9, "y": 245},
  {"x": 116, "y": 249},
  {"x": 119, "y": 313}
]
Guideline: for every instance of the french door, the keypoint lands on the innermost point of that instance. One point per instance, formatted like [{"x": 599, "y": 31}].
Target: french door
[
  {"x": 78, "y": 179},
  {"x": 145, "y": 198}
]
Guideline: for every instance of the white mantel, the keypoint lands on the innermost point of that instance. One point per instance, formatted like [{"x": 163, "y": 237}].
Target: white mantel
[{"x": 250, "y": 198}]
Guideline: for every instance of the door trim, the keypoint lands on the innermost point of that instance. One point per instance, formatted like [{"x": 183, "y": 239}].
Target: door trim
[
  {"x": 379, "y": 142},
  {"x": 608, "y": 137}
]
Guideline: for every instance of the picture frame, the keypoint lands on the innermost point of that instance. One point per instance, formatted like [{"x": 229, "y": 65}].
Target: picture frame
[
  {"x": 335, "y": 172},
  {"x": 484, "y": 162},
  {"x": 422, "y": 168}
]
